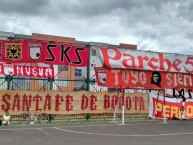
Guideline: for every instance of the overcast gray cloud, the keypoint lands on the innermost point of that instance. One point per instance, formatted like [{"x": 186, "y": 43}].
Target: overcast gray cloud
[{"x": 156, "y": 25}]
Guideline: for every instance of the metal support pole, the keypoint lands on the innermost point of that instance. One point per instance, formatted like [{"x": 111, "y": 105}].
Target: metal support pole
[
  {"x": 123, "y": 116},
  {"x": 9, "y": 78},
  {"x": 164, "y": 111},
  {"x": 51, "y": 88},
  {"x": 88, "y": 73},
  {"x": 123, "y": 107}
]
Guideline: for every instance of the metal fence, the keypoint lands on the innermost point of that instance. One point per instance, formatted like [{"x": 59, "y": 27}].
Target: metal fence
[{"x": 41, "y": 84}]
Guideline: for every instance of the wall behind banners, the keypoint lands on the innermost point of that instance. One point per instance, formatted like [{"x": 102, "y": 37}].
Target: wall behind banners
[{"x": 55, "y": 102}]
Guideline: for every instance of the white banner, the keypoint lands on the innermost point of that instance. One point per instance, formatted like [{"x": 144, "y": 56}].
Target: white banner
[{"x": 146, "y": 60}]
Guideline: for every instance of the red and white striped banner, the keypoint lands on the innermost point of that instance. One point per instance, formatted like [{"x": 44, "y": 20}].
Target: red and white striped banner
[{"x": 172, "y": 107}]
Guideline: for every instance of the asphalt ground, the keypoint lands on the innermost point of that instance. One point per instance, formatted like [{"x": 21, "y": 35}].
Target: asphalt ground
[{"x": 140, "y": 132}]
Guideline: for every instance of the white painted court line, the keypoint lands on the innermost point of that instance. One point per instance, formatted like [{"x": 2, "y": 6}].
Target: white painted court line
[
  {"x": 43, "y": 131},
  {"x": 124, "y": 135}
]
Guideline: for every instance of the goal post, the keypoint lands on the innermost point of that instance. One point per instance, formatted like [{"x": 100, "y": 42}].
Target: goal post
[{"x": 120, "y": 94}]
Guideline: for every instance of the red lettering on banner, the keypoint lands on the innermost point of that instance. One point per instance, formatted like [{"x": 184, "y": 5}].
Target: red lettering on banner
[
  {"x": 54, "y": 102},
  {"x": 106, "y": 101},
  {"x": 136, "y": 100},
  {"x": 26, "y": 102},
  {"x": 128, "y": 103},
  {"x": 141, "y": 104},
  {"x": 37, "y": 100},
  {"x": 117, "y": 56},
  {"x": 69, "y": 100},
  {"x": 93, "y": 99},
  {"x": 16, "y": 103},
  {"x": 126, "y": 61},
  {"x": 5, "y": 99},
  {"x": 189, "y": 62},
  {"x": 84, "y": 103},
  {"x": 141, "y": 61},
  {"x": 151, "y": 63},
  {"x": 58, "y": 100},
  {"x": 154, "y": 61},
  {"x": 47, "y": 103},
  {"x": 163, "y": 61},
  {"x": 114, "y": 101},
  {"x": 176, "y": 64}
]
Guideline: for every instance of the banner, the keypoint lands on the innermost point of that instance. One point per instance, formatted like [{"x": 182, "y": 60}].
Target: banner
[
  {"x": 27, "y": 71},
  {"x": 121, "y": 78},
  {"x": 57, "y": 102},
  {"x": 186, "y": 92},
  {"x": 172, "y": 107},
  {"x": 146, "y": 60},
  {"x": 30, "y": 51}
]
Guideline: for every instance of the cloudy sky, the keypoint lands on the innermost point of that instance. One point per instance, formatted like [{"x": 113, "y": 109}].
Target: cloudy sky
[{"x": 155, "y": 25}]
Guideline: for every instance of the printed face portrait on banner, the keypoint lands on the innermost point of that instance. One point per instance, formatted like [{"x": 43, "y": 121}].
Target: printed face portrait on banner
[{"x": 156, "y": 78}]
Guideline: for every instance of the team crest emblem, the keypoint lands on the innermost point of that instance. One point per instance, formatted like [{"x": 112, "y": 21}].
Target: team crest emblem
[
  {"x": 35, "y": 51},
  {"x": 102, "y": 76},
  {"x": 13, "y": 51},
  {"x": 8, "y": 69}
]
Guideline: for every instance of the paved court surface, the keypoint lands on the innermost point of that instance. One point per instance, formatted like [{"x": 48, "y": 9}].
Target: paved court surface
[{"x": 149, "y": 132}]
